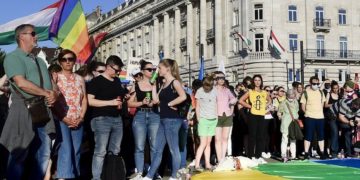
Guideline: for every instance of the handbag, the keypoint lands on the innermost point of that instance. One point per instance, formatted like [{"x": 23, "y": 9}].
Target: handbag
[
  {"x": 295, "y": 132},
  {"x": 36, "y": 105}
]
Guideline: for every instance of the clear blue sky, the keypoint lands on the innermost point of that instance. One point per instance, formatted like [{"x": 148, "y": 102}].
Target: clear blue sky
[{"x": 12, "y": 9}]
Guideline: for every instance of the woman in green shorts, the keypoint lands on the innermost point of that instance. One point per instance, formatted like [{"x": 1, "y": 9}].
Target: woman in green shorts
[{"x": 206, "y": 111}]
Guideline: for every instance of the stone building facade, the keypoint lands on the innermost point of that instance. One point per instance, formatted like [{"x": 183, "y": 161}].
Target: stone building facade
[{"x": 178, "y": 28}]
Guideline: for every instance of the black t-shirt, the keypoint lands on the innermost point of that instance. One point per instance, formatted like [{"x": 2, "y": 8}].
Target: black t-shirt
[{"x": 104, "y": 89}]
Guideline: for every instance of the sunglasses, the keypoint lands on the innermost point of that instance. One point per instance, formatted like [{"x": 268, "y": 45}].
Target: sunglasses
[
  {"x": 268, "y": 90},
  {"x": 220, "y": 78},
  {"x": 70, "y": 59},
  {"x": 149, "y": 69},
  {"x": 349, "y": 91},
  {"x": 315, "y": 84},
  {"x": 117, "y": 71},
  {"x": 100, "y": 71},
  {"x": 33, "y": 34}
]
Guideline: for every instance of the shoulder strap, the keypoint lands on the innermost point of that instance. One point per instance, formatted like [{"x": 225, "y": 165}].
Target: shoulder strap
[
  {"x": 288, "y": 106},
  {"x": 39, "y": 70},
  {"x": 306, "y": 95}
]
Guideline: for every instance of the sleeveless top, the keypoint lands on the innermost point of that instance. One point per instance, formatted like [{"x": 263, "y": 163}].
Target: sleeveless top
[
  {"x": 258, "y": 102},
  {"x": 140, "y": 95},
  {"x": 167, "y": 95},
  {"x": 71, "y": 89},
  {"x": 332, "y": 100}
]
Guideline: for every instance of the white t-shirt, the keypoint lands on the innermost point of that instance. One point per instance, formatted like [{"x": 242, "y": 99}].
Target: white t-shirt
[{"x": 207, "y": 103}]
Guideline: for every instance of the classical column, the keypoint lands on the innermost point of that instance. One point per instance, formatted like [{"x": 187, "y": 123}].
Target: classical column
[
  {"x": 156, "y": 39},
  {"x": 218, "y": 30},
  {"x": 177, "y": 34},
  {"x": 189, "y": 30},
  {"x": 167, "y": 47},
  {"x": 203, "y": 25}
]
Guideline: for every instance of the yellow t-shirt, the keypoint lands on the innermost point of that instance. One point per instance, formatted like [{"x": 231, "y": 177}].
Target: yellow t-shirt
[
  {"x": 258, "y": 102},
  {"x": 314, "y": 104}
]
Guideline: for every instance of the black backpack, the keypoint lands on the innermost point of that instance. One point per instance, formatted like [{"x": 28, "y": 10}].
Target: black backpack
[{"x": 113, "y": 168}]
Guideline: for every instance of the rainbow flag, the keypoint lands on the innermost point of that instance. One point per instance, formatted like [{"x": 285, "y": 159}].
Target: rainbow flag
[{"x": 69, "y": 30}]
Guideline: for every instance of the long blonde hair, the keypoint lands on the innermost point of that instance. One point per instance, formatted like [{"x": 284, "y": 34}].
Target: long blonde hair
[{"x": 174, "y": 68}]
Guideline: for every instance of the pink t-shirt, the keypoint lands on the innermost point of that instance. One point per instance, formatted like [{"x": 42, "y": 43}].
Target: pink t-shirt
[{"x": 224, "y": 100}]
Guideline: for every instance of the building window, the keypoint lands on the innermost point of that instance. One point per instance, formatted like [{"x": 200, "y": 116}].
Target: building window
[
  {"x": 321, "y": 74},
  {"x": 291, "y": 75},
  {"x": 292, "y": 13},
  {"x": 320, "y": 45},
  {"x": 343, "y": 75},
  {"x": 259, "y": 42},
  {"x": 293, "y": 41},
  {"x": 147, "y": 47},
  {"x": 236, "y": 45},
  {"x": 139, "y": 50},
  {"x": 343, "y": 47},
  {"x": 235, "y": 18},
  {"x": 342, "y": 16},
  {"x": 319, "y": 14},
  {"x": 258, "y": 12}
]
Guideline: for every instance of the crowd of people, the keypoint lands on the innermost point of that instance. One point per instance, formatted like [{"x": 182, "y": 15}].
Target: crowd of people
[{"x": 164, "y": 123}]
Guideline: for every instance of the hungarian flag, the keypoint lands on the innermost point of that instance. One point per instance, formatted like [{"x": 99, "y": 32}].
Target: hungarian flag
[
  {"x": 244, "y": 39},
  {"x": 41, "y": 20},
  {"x": 275, "y": 44},
  {"x": 62, "y": 22}
]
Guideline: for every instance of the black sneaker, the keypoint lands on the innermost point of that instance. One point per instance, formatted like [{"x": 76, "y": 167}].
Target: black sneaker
[{"x": 306, "y": 156}]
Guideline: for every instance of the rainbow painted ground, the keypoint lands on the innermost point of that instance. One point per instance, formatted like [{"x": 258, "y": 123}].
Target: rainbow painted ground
[{"x": 330, "y": 170}]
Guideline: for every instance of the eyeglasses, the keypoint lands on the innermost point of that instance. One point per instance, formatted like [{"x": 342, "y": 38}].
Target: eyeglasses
[
  {"x": 33, "y": 34},
  {"x": 100, "y": 71},
  {"x": 220, "y": 78},
  {"x": 65, "y": 59},
  {"x": 117, "y": 71},
  {"x": 315, "y": 84},
  {"x": 149, "y": 69},
  {"x": 282, "y": 91}
]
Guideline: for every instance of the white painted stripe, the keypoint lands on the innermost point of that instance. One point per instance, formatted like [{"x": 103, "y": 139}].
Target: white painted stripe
[{"x": 42, "y": 18}]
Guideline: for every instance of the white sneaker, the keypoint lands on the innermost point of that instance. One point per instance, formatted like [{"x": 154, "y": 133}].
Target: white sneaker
[
  {"x": 146, "y": 178},
  {"x": 268, "y": 155},
  {"x": 183, "y": 171},
  {"x": 136, "y": 177},
  {"x": 263, "y": 155}
]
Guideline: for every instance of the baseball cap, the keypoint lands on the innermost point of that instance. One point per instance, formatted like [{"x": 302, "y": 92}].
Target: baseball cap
[{"x": 135, "y": 71}]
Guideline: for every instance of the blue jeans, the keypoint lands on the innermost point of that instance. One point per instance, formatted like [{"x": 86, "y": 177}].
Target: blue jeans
[
  {"x": 39, "y": 150},
  {"x": 183, "y": 142},
  {"x": 108, "y": 132},
  {"x": 144, "y": 124},
  {"x": 334, "y": 137},
  {"x": 346, "y": 132},
  {"x": 168, "y": 132},
  {"x": 68, "y": 164}
]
